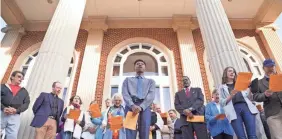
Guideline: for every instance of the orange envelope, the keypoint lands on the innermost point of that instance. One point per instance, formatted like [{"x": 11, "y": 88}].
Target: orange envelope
[
  {"x": 150, "y": 135},
  {"x": 95, "y": 111},
  {"x": 196, "y": 119},
  {"x": 130, "y": 121},
  {"x": 243, "y": 81},
  {"x": 116, "y": 123},
  {"x": 74, "y": 114},
  {"x": 275, "y": 83},
  {"x": 220, "y": 116}
]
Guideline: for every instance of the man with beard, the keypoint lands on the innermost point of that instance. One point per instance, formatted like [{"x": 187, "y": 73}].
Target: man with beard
[
  {"x": 139, "y": 93},
  {"x": 188, "y": 102},
  {"x": 272, "y": 100}
]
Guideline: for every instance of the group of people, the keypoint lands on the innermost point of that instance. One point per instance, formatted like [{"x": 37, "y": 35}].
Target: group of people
[{"x": 230, "y": 113}]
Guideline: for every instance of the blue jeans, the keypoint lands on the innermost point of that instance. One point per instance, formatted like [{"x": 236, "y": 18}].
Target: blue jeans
[
  {"x": 244, "y": 116},
  {"x": 11, "y": 125},
  {"x": 67, "y": 135}
]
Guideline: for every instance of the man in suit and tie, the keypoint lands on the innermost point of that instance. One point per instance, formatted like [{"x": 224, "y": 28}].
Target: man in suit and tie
[
  {"x": 188, "y": 102},
  {"x": 272, "y": 100},
  {"x": 138, "y": 93},
  {"x": 47, "y": 110}
]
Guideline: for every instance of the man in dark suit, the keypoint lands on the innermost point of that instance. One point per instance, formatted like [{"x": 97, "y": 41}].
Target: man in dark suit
[
  {"x": 188, "y": 102},
  {"x": 272, "y": 100},
  {"x": 47, "y": 110}
]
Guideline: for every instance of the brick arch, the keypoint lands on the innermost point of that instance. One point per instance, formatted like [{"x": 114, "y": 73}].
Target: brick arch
[{"x": 113, "y": 37}]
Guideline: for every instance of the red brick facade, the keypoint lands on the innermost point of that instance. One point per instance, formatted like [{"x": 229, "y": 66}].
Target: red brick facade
[
  {"x": 114, "y": 36},
  {"x": 33, "y": 37}
]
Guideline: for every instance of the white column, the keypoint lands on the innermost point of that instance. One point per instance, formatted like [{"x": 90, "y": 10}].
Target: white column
[
  {"x": 219, "y": 39},
  {"x": 90, "y": 66},
  {"x": 272, "y": 44},
  {"x": 54, "y": 56},
  {"x": 189, "y": 58},
  {"x": 9, "y": 45}
]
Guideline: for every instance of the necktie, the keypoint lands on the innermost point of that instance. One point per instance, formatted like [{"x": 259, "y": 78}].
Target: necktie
[
  {"x": 187, "y": 92},
  {"x": 139, "y": 87}
]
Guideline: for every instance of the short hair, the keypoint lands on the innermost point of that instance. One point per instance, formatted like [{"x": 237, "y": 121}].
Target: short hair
[
  {"x": 172, "y": 110},
  {"x": 71, "y": 99},
  {"x": 224, "y": 76},
  {"x": 107, "y": 99},
  {"x": 117, "y": 95},
  {"x": 14, "y": 73},
  {"x": 214, "y": 91},
  {"x": 139, "y": 60},
  {"x": 54, "y": 84}
]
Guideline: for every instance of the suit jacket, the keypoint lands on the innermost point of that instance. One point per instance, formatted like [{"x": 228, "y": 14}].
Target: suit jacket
[
  {"x": 273, "y": 104},
  {"x": 177, "y": 130},
  {"x": 195, "y": 101},
  {"x": 42, "y": 109}
]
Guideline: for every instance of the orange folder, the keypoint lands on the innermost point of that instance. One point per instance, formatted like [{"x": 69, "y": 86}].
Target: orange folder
[
  {"x": 275, "y": 83},
  {"x": 116, "y": 123},
  {"x": 243, "y": 81},
  {"x": 95, "y": 111},
  {"x": 196, "y": 119},
  {"x": 220, "y": 116},
  {"x": 74, "y": 114},
  {"x": 130, "y": 121}
]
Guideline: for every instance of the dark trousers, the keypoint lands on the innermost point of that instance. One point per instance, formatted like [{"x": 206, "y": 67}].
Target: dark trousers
[
  {"x": 144, "y": 121},
  {"x": 199, "y": 128},
  {"x": 244, "y": 117},
  {"x": 223, "y": 136}
]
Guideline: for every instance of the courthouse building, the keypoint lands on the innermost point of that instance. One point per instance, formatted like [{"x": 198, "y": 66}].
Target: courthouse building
[{"x": 90, "y": 45}]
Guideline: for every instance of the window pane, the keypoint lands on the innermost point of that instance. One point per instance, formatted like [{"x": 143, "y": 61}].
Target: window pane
[
  {"x": 65, "y": 94},
  {"x": 124, "y": 51},
  {"x": 164, "y": 71},
  {"x": 34, "y": 55},
  {"x": 69, "y": 72},
  {"x": 118, "y": 59},
  {"x": 114, "y": 90},
  {"x": 146, "y": 47},
  {"x": 162, "y": 59},
  {"x": 28, "y": 61},
  {"x": 252, "y": 59},
  {"x": 244, "y": 52},
  {"x": 116, "y": 71},
  {"x": 72, "y": 60},
  {"x": 134, "y": 47},
  {"x": 247, "y": 65},
  {"x": 166, "y": 96},
  {"x": 258, "y": 70},
  {"x": 157, "y": 96},
  {"x": 24, "y": 70},
  {"x": 156, "y": 51}
]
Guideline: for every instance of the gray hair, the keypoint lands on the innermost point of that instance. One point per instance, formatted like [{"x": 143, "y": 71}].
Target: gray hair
[{"x": 117, "y": 95}]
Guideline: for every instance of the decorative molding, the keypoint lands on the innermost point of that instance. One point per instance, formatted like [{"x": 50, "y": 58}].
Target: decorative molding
[
  {"x": 183, "y": 21},
  {"x": 11, "y": 12},
  {"x": 270, "y": 26},
  {"x": 18, "y": 28},
  {"x": 95, "y": 22},
  {"x": 268, "y": 11}
]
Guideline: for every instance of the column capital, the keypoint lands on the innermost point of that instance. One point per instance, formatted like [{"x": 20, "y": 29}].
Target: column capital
[
  {"x": 182, "y": 21},
  {"x": 96, "y": 22},
  {"x": 260, "y": 27},
  {"x": 18, "y": 28}
]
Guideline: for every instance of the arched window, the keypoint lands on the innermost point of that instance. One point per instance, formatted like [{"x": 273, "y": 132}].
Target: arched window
[
  {"x": 26, "y": 68},
  {"x": 156, "y": 68},
  {"x": 251, "y": 60}
]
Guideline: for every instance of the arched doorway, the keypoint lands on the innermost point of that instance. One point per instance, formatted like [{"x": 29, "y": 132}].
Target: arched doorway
[{"x": 159, "y": 66}]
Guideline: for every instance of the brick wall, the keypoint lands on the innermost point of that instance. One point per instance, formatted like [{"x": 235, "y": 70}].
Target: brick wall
[
  {"x": 33, "y": 37},
  {"x": 114, "y": 36}
]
